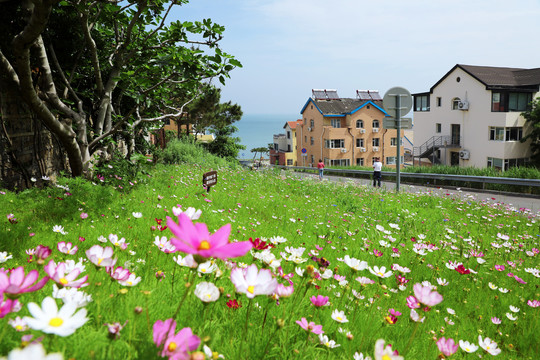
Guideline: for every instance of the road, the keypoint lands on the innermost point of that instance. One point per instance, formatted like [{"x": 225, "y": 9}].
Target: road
[{"x": 514, "y": 202}]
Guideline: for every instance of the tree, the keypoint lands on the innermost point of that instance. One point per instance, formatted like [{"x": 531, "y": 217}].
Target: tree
[
  {"x": 128, "y": 70},
  {"x": 532, "y": 118},
  {"x": 262, "y": 150},
  {"x": 224, "y": 145}
]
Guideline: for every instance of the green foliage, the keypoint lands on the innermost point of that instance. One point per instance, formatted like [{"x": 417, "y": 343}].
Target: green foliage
[
  {"x": 121, "y": 172},
  {"x": 532, "y": 130},
  {"x": 224, "y": 144},
  {"x": 182, "y": 151}
]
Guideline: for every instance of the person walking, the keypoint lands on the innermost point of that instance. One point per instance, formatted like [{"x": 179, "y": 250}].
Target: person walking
[
  {"x": 320, "y": 166},
  {"x": 377, "y": 167}
]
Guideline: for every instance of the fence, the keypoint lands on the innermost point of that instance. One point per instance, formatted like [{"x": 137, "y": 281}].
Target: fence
[{"x": 516, "y": 185}]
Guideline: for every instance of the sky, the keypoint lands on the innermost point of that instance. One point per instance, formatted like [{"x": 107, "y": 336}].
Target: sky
[{"x": 289, "y": 47}]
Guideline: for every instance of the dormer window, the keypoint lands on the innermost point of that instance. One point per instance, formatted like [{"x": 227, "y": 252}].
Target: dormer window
[{"x": 455, "y": 103}]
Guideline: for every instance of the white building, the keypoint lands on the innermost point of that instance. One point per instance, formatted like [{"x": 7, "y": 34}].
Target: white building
[{"x": 472, "y": 117}]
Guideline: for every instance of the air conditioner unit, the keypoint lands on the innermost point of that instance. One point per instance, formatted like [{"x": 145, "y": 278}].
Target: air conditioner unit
[
  {"x": 343, "y": 150},
  {"x": 464, "y": 154},
  {"x": 362, "y": 131},
  {"x": 309, "y": 129},
  {"x": 362, "y": 149},
  {"x": 375, "y": 129},
  {"x": 376, "y": 149},
  {"x": 463, "y": 105}
]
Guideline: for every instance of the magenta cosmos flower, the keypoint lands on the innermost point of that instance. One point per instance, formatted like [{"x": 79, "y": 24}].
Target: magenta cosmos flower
[
  {"x": 174, "y": 346},
  {"x": 319, "y": 300},
  {"x": 195, "y": 239},
  {"x": 62, "y": 276},
  {"x": 8, "y": 305},
  {"x": 18, "y": 283},
  {"x": 447, "y": 347},
  {"x": 310, "y": 326},
  {"x": 252, "y": 282}
]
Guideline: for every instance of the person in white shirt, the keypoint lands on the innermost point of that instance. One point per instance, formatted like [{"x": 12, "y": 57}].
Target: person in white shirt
[{"x": 377, "y": 167}]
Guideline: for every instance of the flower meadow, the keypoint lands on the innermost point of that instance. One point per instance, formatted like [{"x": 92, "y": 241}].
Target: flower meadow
[{"x": 263, "y": 266}]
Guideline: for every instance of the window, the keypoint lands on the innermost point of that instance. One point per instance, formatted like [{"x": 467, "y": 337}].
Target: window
[
  {"x": 421, "y": 103},
  {"x": 359, "y": 124},
  {"x": 455, "y": 103},
  {"x": 312, "y": 140},
  {"x": 312, "y": 123},
  {"x": 288, "y": 134},
  {"x": 312, "y": 159},
  {"x": 168, "y": 122},
  {"x": 276, "y": 147},
  {"x": 360, "y": 161},
  {"x": 496, "y": 133},
  {"x": 359, "y": 143},
  {"x": 509, "y": 163},
  {"x": 503, "y": 101},
  {"x": 495, "y": 163},
  {"x": 393, "y": 141},
  {"x": 439, "y": 101},
  {"x": 334, "y": 143},
  {"x": 336, "y": 123},
  {"x": 340, "y": 162},
  {"x": 305, "y": 138},
  {"x": 514, "y": 133},
  {"x": 288, "y": 148},
  {"x": 289, "y": 162},
  {"x": 438, "y": 128},
  {"x": 375, "y": 124},
  {"x": 391, "y": 160},
  {"x": 375, "y": 142}
]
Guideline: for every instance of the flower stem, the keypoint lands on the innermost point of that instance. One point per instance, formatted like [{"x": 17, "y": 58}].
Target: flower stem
[
  {"x": 245, "y": 327},
  {"x": 412, "y": 337}
]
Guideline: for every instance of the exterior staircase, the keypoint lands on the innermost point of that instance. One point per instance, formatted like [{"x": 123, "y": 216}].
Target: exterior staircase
[{"x": 427, "y": 149}]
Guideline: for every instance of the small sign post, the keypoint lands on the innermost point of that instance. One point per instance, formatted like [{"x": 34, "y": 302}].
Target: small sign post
[
  {"x": 209, "y": 179},
  {"x": 397, "y": 101}
]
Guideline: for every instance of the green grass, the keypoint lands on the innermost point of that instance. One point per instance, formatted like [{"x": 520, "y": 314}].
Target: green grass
[{"x": 340, "y": 219}]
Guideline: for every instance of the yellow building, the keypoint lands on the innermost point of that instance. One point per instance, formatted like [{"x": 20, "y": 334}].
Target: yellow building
[{"x": 345, "y": 131}]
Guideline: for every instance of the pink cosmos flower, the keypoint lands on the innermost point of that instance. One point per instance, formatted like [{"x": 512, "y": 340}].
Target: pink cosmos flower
[
  {"x": 101, "y": 256},
  {"x": 58, "y": 274},
  {"x": 533, "y": 303},
  {"x": 412, "y": 302},
  {"x": 447, "y": 347},
  {"x": 67, "y": 248},
  {"x": 118, "y": 273},
  {"x": 310, "y": 327},
  {"x": 84, "y": 215},
  {"x": 385, "y": 352},
  {"x": 499, "y": 267},
  {"x": 519, "y": 280},
  {"x": 284, "y": 291},
  {"x": 8, "y": 305},
  {"x": 195, "y": 239},
  {"x": 319, "y": 300},
  {"x": 252, "y": 281},
  {"x": 41, "y": 253},
  {"x": 496, "y": 320},
  {"x": 426, "y": 296},
  {"x": 17, "y": 283},
  {"x": 174, "y": 346},
  {"x": 114, "y": 329}
]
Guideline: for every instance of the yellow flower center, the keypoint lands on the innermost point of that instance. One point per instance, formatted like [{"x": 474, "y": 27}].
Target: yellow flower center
[
  {"x": 56, "y": 322},
  {"x": 215, "y": 355},
  {"x": 63, "y": 281},
  {"x": 338, "y": 318},
  {"x": 380, "y": 274},
  {"x": 467, "y": 349},
  {"x": 19, "y": 327},
  {"x": 116, "y": 243},
  {"x": 172, "y": 346},
  {"x": 386, "y": 357},
  {"x": 129, "y": 283},
  {"x": 99, "y": 261},
  {"x": 204, "y": 245},
  {"x": 203, "y": 270},
  {"x": 251, "y": 289}
]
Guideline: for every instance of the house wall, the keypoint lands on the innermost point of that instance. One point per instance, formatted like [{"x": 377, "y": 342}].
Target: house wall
[
  {"x": 474, "y": 123},
  {"x": 322, "y": 130}
]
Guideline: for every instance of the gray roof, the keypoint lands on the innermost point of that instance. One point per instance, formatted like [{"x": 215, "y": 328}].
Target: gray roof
[
  {"x": 342, "y": 106},
  {"x": 500, "y": 77}
]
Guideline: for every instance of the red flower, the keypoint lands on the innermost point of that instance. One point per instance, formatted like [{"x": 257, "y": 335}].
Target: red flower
[
  {"x": 233, "y": 304},
  {"x": 258, "y": 244},
  {"x": 461, "y": 269}
]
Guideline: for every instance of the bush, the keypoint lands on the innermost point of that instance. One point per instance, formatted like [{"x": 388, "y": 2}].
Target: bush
[{"x": 182, "y": 151}]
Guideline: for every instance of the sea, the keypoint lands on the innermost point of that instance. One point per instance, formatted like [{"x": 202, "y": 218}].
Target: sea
[{"x": 258, "y": 130}]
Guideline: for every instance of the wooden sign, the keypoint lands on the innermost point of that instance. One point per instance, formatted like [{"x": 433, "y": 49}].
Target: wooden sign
[{"x": 209, "y": 179}]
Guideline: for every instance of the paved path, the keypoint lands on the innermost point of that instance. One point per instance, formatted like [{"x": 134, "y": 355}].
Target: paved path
[{"x": 511, "y": 201}]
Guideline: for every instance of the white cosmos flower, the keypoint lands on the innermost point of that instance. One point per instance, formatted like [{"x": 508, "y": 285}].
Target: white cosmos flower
[
  {"x": 206, "y": 291},
  {"x": 212, "y": 354},
  {"x": 327, "y": 274},
  {"x": 503, "y": 290},
  {"x": 511, "y": 317},
  {"x": 355, "y": 264},
  {"x": 467, "y": 347},
  {"x": 328, "y": 343},
  {"x": 394, "y": 226},
  {"x": 252, "y": 281},
  {"x": 101, "y": 256},
  {"x": 277, "y": 240},
  {"x": 137, "y": 215},
  {"x": 191, "y": 212},
  {"x": 207, "y": 267},
  {"x": 416, "y": 317},
  {"x": 339, "y": 316},
  {"x": 186, "y": 261},
  {"x": 50, "y": 320},
  {"x": 4, "y": 256},
  {"x": 442, "y": 282},
  {"x": 488, "y": 345},
  {"x": 34, "y": 351},
  {"x": 80, "y": 298},
  {"x": 299, "y": 271},
  {"x": 492, "y": 286},
  {"x": 380, "y": 272},
  {"x": 59, "y": 229},
  {"x": 131, "y": 281},
  {"x": 514, "y": 309}
]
